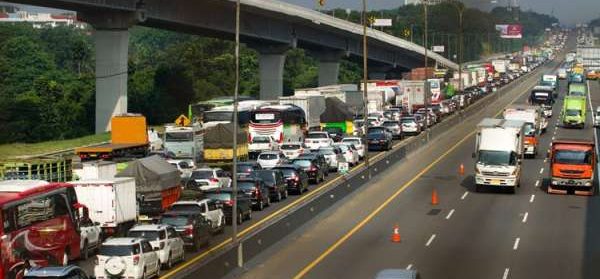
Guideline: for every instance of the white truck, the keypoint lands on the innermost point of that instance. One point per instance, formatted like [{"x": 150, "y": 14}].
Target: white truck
[
  {"x": 534, "y": 124},
  {"x": 413, "y": 94},
  {"x": 498, "y": 153},
  {"x": 111, "y": 203},
  {"x": 500, "y": 65},
  {"x": 375, "y": 101},
  {"x": 347, "y": 93},
  {"x": 184, "y": 142},
  {"x": 313, "y": 107}
]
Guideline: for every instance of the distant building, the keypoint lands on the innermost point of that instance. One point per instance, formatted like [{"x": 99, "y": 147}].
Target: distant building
[{"x": 40, "y": 20}]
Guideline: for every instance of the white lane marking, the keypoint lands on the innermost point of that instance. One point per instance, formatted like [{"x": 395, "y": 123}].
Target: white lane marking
[
  {"x": 592, "y": 109},
  {"x": 430, "y": 240},
  {"x": 532, "y": 198},
  {"x": 409, "y": 266},
  {"x": 553, "y": 138},
  {"x": 464, "y": 195},
  {"x": 450, "y": 214},
  {"x": 537, "y": 183},
  {"x": 506, "y": 271},
  {"x": 541, "y": 170},
  {"x": 525, "y": 217},
  {"x": 516, "y": 245}
]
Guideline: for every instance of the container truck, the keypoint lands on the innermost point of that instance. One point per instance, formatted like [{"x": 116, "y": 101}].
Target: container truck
[
  {"x": 532, "y": 128},
  {"x": 347, "y": 93},
  {"x": 95, "y": 170},
  {"x": 111, "y": 202},
  {"x": 572, "y": 167},
  {"x": 184, "y": 142},
  {"x": 51, "y": 169},
  {"x": 313, "y": 106},
  {"x": 375, "y": 101},
  {"x": 500, "y": 65},
  {"x": 499, "y": 154},
  {"x": 129, "y": 138},
  {"x": 573, "y": 112},
  {"x": 413, "y": 94},
  {"x": 218, "y": 146}
]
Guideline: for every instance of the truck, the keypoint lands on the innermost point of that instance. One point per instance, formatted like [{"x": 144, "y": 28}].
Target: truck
[
  {"x": 47, "y": 168},
  {"x": 95, "y": 170},
  {"x": 543, "y": 96},
  {"x": 499, "y": 153},
  {"x": 110, "y": 202},
  {"x": 157, "y": 185},
  {"x": 573, "y": 112},
  {"x": 500, "y": 65},
  {"x": 184, "y": 142},
  {"x": 347, "y": 93},
  {"x": 313, "y": 106},
  {"x": 218, "y": 146},
  {"x": 550, "y": 80},
  {"x": 577, "y": 89},
  {"x": 414, "y": 94},
  {"x": 375, "y": 101},
  {"x": 129, "y": 138},
  {"x": 572, "y": 167},
  {"x": 533, "y": 125}
]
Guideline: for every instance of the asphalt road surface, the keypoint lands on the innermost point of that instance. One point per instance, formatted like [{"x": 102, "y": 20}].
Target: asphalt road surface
[{"x": 530, "y": 234}]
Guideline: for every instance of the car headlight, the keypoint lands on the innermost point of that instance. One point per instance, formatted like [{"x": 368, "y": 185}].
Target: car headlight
[
  {"x": 589, "y": 183},
  {"x": 554, "y": 182}
]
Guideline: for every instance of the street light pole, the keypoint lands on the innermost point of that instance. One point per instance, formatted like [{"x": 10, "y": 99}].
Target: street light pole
[
  {"x": 461, "y": 10},
  {"x": 426, "y": 45},
  {"x": 365, "y": 79},
  {"x": 235, "y": 124}
]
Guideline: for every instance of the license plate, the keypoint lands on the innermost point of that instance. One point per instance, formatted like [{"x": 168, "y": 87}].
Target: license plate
[{"x": 495, "y": 182}]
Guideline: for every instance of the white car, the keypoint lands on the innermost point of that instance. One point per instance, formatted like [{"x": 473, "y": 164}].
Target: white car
[
  {"x": 333, "y": 157},
  {"x": 127, "y": 257},
  {"x": 184, "y": 166},
  {"x": 208, "y": 209},
  {"x": 316, "y": 140},
  {"x": 210, "y": 178},
  {"x": 259, "y": 144},
  {"x": 410, "y": 126},
  {"x": 350, "y": 156},
  {"x": 165, "y": 238},
  {"x": 358, "y": 143},
  {"x": 291, "y": 150},
  {"x": 90, "y": 237},
  {"x": 269, "y": 159},
  {"x": 597, "y": 117}
]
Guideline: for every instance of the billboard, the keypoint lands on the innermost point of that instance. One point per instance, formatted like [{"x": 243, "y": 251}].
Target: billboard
[
  {"x": 510, "y": 31},
  {"x": 439, "y": 49}
]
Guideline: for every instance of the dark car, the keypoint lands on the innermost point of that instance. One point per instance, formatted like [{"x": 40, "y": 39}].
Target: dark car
[
  {"x": 275, "y": 181},
  {"x": 335, "y": 133},
  {"x": 245, "y": 168},
  {"x": 379, "y": 138},
  {"x": 319, "y": 158},
  {"x": 311, "y": 167},
  {"x": 56, "y": 272},
  {"x": 295, "y": 176},
  {"x": 256, "y": 189},
  {"x": 224, "y": 197},
  {"x": 193, "y": 228}
]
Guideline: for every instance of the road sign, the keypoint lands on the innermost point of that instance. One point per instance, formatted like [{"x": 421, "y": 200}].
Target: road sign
[
  {"x": 406, "y": 33},
  {"x": 182, "y": 120},
  {"x": 343, "y": 167},
  {"x": 379, "y": 22},
  {"x": 438, "y": 49}
]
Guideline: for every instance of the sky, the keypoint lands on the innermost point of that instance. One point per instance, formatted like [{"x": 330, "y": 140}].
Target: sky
[{"x": 568, "y": 12}]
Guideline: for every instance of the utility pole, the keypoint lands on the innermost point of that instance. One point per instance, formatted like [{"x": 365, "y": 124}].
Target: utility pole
[
  {"x": 234, "y": 216},
  {"x": 365, "y": 79},
  {"x": 426, "y": 45}
]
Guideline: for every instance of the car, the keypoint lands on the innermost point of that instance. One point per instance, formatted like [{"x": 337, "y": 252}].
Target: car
[
  {"x": 184, "y": 166},
  {"x": 224, "y": 199},
  {"x": 91, "y": 236},
  {"x": 410, "y": 125},
  {"x": 259, "y": 144},
  {"x": 269, "y": 159},
  {"x": 254, "y": 188},
  {"x": 392, "y": 114},
  {"x": 312, "y": 169},
  {"x": 319, "y": 158},
  {"x": 350, "y": 155},
  {"x": 379, "y": 138},
  {"x": 56, "y": 272},
  {"x": 335, "y": 133},
  {"x": 597, "y": 117},
  {"x": 377, "y": 114},
  {"x": 358, "y": 143},
  {"x": 207, "y": 208},
  {"x": 397, "y": 274},
  {"x": 333, "y": 156},
  {"x": 246, "y": 168},
  {"x": 295, "y": 176},
  {"x": 373, "y": 121},
  {"x": 165, "y": 238},
  {"x": 291, "y": 150},
  {"x": 394, "y": 127},
  {"x": 275, "y": 182},
  {"x": 358, "y": 127},
  {"x": 127, "y": 257},
  {"x": 195, "y": 230},
  {"x": 421, "y": 121},
  {"x": 209, "y": 178},
  {"x": 314, "y": 140}
]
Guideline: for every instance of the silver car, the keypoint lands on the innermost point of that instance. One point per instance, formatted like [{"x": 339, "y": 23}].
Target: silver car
[
  {"x": 333, "y": 156},
  {"x": 394, "y": 127}
]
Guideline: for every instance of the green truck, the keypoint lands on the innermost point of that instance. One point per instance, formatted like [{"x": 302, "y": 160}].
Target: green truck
[
  {"x": 577, "y": 89},
  {"x": 51, "y": 169},
  {"x": 573, "y": 112}
]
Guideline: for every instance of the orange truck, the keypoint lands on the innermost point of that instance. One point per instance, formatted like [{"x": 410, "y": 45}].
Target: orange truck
[
  {"x": 129, "y": 138},
  {"x": 572, "y": 166}
]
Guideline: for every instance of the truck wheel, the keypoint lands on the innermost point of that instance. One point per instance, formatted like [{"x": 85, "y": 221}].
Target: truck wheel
[
  {"x": 261, "y": 205},
  {"x": 278, "y": 196},
  {"x": 285, "y": 194},
  {"x": 477, "y": 188},
  {"x": 240, "y": 218}
]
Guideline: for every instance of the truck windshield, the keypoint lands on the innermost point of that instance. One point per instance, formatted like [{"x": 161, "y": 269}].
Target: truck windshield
[
  {"x": 529, "y": 129},
  {"x": 220, "y": 116},
  {"x": 576, "y": 93},
  {"x": 495, "y": 158},
  {"x": 260, "y": 139},
  {"x": 179, "y": 136},
  {"x": 572, "y": 112},
  {"x": 573, "y": 157}
]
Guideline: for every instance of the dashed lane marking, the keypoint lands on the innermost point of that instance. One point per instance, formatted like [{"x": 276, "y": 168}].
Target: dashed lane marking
[
  {"x": 532, "y": 198},
  {"x": 506, "y": 271},
  {"x": 464, "y": 195},
  {"x": 450, "y": 214},
  {"x": 525, "y": 217},
  {"x": 431, "y": 238},
  {"x": 516, "y": 245}
]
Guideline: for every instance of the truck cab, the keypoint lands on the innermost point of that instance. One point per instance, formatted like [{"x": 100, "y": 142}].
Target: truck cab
[
  {"x": 531, "y": 115},
  {"x": 573, "y": 112},
  {"x": 498, "y": 153},
  {"x": 184, "y": 142},
  {"x": 572, "y": 167}
]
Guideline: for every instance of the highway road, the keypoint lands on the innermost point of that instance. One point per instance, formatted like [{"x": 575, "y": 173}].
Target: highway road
[{"x": 530, "y": 234}]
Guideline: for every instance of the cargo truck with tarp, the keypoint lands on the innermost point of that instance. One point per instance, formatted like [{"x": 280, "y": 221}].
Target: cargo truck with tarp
[
  {"x": 158, "y": 184},
  {"x": 51, "y": 169},
  {"x": 337, "y": 116},
  {"x": 218, "y": 145}
]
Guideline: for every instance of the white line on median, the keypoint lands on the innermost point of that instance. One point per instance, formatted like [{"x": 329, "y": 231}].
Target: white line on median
[
  {"x": 537, "y": 183},
  {"x": 464, "y": 195},
  {"x": 541, "y": 170},
  {"x": 532, "y": 198},
  {"x": 506, "y": 271},
  {"x": 450, "y": 214},
  {"x": 516, "y": 245},
  {"x": 409, "y": 266},
  {"x": 430, "y": 240},
  {"x": 525, "y": 217}
]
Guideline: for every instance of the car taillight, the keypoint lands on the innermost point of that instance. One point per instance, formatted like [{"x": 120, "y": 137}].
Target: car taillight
[
  {"x": 229, "y": 202},
  {"x": 188, "y": 230},
  {"x": 313, "y": 168},
  {"x": 281, "y": 137},
  {"x": 249, "y": 137},
  {"x": 136, "y": 259},
  {"x": 214, "y": 180}
]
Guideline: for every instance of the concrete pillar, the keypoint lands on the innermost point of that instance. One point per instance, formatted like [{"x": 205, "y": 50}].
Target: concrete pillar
[
  {"x": 111, "y": 40},
  {"x": 271, "y": 61},
  {"x": 329, "y": 66}
]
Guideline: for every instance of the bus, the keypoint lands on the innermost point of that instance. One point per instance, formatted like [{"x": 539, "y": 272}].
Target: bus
[
  {"x": 40, "y": 225},
  {"x": 224, "y": 114},
  {"x": 280, "y": 122},
  {"x": 197, "y": 110}
]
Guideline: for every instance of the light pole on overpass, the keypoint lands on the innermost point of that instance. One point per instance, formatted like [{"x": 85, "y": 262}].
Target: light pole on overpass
[
  {"x": 365, "y": 79},
  {"x": 234, "y": 193}
]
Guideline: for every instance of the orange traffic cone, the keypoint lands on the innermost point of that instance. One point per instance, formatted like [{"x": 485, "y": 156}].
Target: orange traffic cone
[
  {"x": 434, "y": 197},
  {"x": 396, "y": 234},
  {"x": 461, "y": 169}
]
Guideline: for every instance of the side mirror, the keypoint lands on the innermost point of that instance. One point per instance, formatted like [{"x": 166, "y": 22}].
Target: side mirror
[{"x": 473, "y": 155}]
